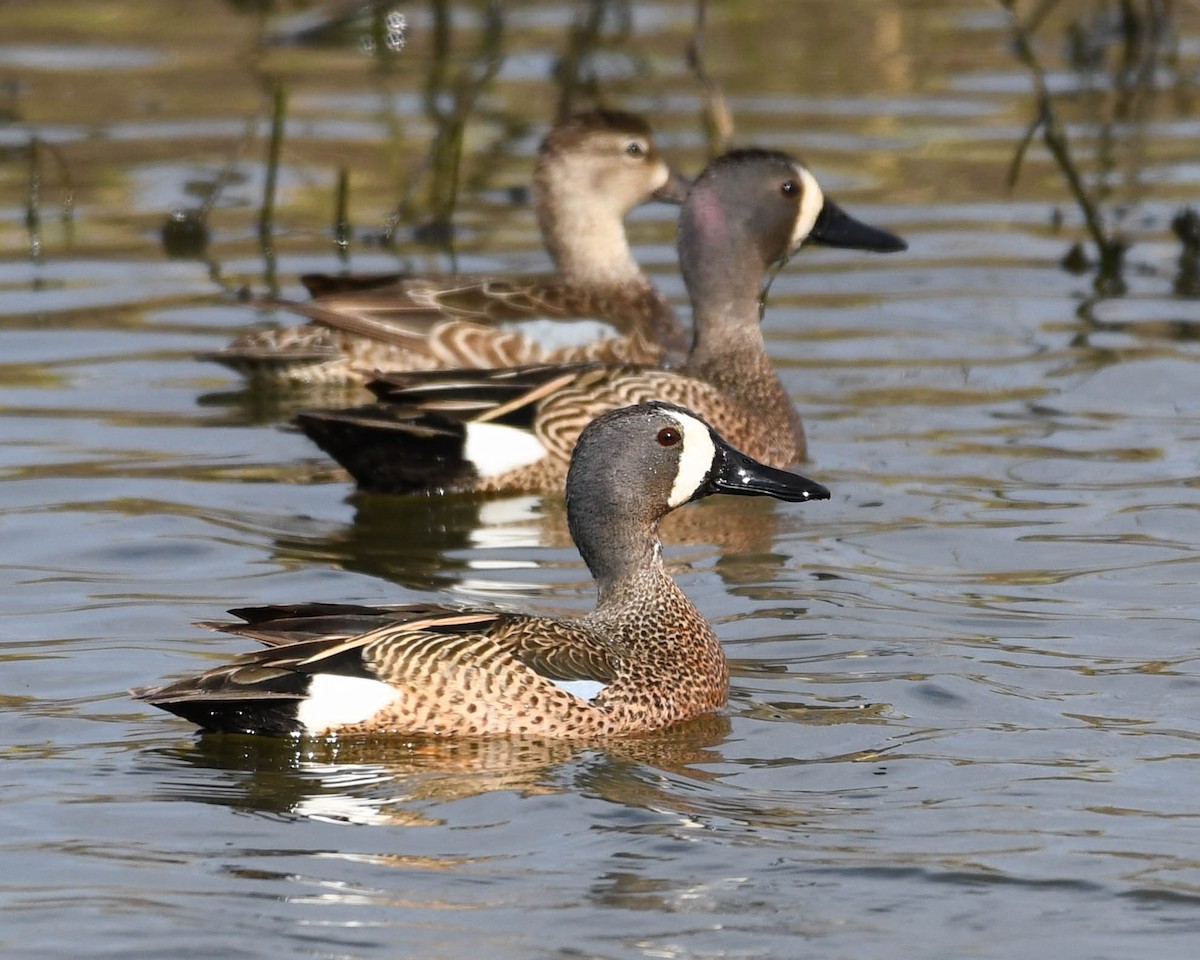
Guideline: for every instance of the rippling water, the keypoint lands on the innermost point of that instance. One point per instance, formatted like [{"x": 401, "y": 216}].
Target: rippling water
[{"x": 965, "y": 717}]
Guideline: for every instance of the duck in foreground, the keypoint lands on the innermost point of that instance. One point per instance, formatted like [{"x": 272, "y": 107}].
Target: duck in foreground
[
  {"x": 643, "y": 659},
  {"x": 513, "y": 429},
  {"x": 591, "y": 170}
]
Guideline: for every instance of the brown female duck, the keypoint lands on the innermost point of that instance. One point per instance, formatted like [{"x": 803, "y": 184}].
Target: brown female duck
[{"x": 591, "y": 170}]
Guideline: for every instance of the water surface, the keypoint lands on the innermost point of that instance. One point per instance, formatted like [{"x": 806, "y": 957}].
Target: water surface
[{"x": 965, "y": 717}]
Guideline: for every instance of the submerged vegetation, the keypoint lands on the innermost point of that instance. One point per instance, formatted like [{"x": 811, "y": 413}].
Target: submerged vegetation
[{"x": 1120, "y": 67}]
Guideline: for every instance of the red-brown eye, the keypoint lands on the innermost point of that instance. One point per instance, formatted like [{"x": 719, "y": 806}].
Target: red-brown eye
[
  {"x": 669, "y": 436},
  {"x": 789, "y": 188}
]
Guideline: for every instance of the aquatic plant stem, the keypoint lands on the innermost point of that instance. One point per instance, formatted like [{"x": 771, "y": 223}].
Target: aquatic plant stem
[
  {"x": 266, "y": 219},
  {"x": 1054, "y": 136}
]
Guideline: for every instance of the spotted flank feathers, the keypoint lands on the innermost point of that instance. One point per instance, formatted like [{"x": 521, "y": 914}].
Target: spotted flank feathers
[
  {"x": 591, "y": 170},
  {"x": 642, "y": 660}
]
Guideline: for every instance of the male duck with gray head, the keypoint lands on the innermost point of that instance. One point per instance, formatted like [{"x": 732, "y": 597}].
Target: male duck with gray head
[
  {"x": 643, "y": 659},
  {"x": 513, "y": 429},
  {"x": 591, "y": 170}
]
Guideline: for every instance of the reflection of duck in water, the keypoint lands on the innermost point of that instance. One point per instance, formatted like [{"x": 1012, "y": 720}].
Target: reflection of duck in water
[
  {"x": 387, "y": 780},
  {"x": 485, "y": 544},
  {"x": 592, "y": 169},
  {"x": 513, "y": 429},
  {"x": 642, "y": 660}
]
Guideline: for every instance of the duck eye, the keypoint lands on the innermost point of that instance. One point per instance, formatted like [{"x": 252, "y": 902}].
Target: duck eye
[
  {"x": 669, "y": 436},
  {"x": 789, "y": 188},
  {"x": 635, "y": 148}
]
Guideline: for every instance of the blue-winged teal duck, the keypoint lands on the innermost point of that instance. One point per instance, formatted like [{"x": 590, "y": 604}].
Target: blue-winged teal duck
[
  {"x": 591, "y": 170},
  {"x": 513, "y": 429},
  {"x": 643, "y": 659}
]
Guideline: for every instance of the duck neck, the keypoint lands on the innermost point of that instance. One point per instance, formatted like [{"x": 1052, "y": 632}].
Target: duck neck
[
  {"x": 639, "y": 597},
  {"x": 727, "y": 344},
  {"x": 620, "y": 547},
  {"x": 723, "y": 272},
  {"x": 728, "y": 352},
  {"x": 616, "y": 563},
  {"x": 644, "y": 615},
  {"x": 646, "y": 577},
  {"x": 586, "y": 241}
]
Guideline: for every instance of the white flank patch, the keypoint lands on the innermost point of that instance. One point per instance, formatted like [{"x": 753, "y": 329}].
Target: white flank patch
[
  {"x": 812, "y": 199},
  {"x": 583, "y": 689},
  {"x": 494, "y": 449},
  {"x": 553, "y": 334},
  {"x": 334, "y": 701},
  {"x": 695, "y": 459}
]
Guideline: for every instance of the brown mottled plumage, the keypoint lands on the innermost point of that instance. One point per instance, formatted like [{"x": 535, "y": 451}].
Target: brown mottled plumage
[
  {"x": 592, "y": 169},
  {"x": 645, "y": 656},
  {"x": 748, "y": 210}
]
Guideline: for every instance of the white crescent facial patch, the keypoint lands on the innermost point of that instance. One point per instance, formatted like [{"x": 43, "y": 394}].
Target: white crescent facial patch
[
  {"x": 812, "y": 199},
  {"x": 695, "y": 459}
]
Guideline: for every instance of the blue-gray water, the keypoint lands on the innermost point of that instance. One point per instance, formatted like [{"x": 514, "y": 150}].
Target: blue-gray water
[{"x": 965, "y": 717}]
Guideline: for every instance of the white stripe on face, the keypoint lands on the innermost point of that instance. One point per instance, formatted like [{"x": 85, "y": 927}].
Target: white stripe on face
[
  {"x": 812, "y": 199},
  {"x": 695, "y": 459}
]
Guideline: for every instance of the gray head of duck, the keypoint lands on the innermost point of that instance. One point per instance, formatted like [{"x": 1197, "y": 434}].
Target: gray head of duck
[
  {"x": 634, "y": 465},
  {"x": 751, "y": 209}
]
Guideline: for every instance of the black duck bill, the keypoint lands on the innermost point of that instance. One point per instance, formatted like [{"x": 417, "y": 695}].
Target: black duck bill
[
  {"x": 736, "y": 473},
  {"x": 836, "y": 228}
]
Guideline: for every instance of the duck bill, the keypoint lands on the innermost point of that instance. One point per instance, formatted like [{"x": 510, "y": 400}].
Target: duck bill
[
  {"x": 675, "y": 190},
  {"x": 836, "y": 228},
  {"x": 736, "y": 473}
]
